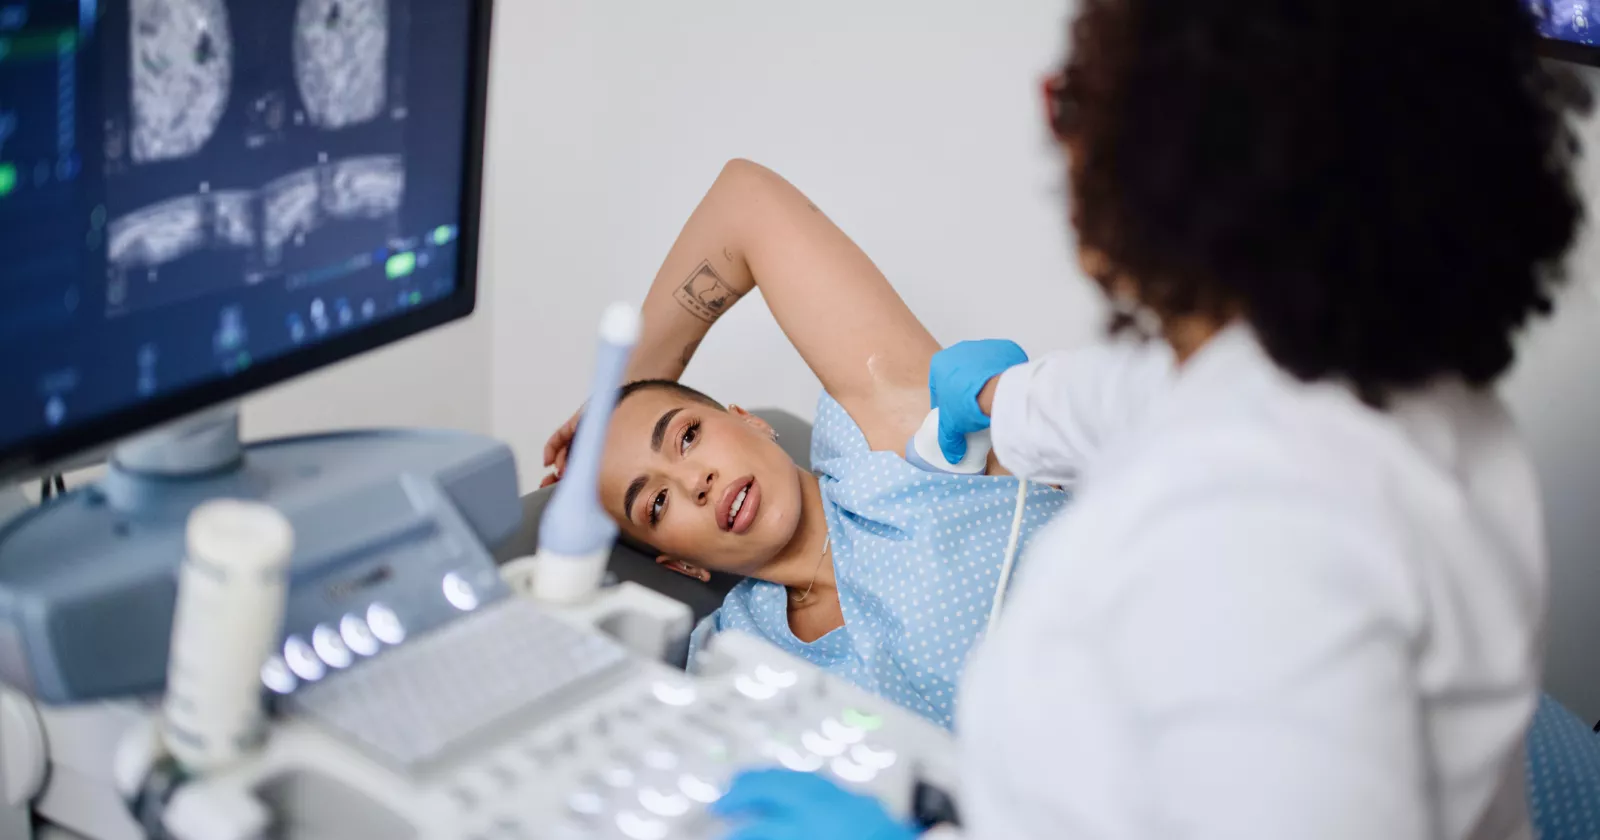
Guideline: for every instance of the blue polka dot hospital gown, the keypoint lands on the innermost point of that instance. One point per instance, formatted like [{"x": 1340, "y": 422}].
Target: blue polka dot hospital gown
[{"x": 917, "y": 557}]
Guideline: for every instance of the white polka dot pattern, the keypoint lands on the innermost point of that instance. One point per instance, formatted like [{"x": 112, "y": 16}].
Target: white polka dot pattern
[
  {"x": 917, "y": 556},
  {"x": 1563, "y": 775}
]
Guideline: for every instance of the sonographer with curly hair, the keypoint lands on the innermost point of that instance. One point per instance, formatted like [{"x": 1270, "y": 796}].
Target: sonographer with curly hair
[{"x": 1301, "y": 591}]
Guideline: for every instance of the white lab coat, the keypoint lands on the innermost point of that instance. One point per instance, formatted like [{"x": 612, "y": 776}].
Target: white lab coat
[{"x": 1271, "y": 612}]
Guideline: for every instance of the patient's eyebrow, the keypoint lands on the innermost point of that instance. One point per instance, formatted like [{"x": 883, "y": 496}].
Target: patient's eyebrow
[
  {"x": 660, "y": 432},
  {"x": 634, "y": 490},
  {"x": 658, "y": 435}
]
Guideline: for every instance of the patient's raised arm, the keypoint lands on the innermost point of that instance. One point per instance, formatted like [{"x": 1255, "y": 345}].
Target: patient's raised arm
[{"x": 755, "y": 229}]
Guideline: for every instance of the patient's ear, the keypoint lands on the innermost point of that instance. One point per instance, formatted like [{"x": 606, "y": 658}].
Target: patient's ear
[
  {"x": 685, "y": 569},
  {"x": 753, "y": 421}
]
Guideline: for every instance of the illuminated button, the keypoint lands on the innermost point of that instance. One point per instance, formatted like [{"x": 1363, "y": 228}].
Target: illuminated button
[
  {"x": 850, "y": 771},
  {"x": 842, "y": 733},
  {"x": 617, "y": 776},
  {"x": 460, "y": 593},
  {"x": 325, "y": 640},
  {"x": 660, "y": 758},
  {"x": 587, "y": 802},
  {"x": 641, "y": 828},
  {"x": 775, "y": 677},
  {"x": 865, "y": 721},
  {"x": 673, "y": 695},
  {"x": 825, "y": 747},
  {"x": 795, "y": 760},
  {"x": 357, "y": 635},
  {"x": 302, "y": 660},
  {"x": 881, "y": 759},
  {"x": 275, "y": 674},
  {"x": 385, "y": 624},
  {"x": 699, "y": 789},
  {"x": 753, "y": 689},
  {"x": 663, "y": 804}
]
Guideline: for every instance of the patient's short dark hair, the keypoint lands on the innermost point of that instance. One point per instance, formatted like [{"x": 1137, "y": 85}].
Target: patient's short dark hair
[{"x": 678, "y": 388}]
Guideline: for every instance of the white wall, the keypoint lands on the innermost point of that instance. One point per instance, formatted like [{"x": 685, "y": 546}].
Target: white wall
[
  {"x": 916, "y": 125},
  {"x": 1555, "y": 393}
]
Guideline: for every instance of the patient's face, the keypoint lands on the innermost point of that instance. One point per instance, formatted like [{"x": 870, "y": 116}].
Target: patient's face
[{"x": 706, "y": 486}]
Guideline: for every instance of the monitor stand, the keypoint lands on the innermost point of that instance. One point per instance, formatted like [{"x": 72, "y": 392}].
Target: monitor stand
[
  {"x": 191, "y": 449},
  {"x": 88, "y": 580},
  {"x": 12, "y": 502}
]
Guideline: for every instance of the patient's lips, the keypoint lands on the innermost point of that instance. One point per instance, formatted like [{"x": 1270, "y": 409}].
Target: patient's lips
[{"x": 736, "y": 511}]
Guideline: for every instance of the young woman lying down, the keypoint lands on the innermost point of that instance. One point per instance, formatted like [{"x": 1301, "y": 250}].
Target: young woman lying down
[{"x": 862, "y": 564}]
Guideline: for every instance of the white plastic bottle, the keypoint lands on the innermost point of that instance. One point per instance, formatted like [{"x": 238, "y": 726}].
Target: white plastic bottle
[{"x": 232, "y": 590}]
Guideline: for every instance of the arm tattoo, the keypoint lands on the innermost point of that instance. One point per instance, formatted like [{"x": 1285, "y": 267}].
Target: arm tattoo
[
  {"x": 705, "y": 295},
  {"x": 688, "y": 352}
]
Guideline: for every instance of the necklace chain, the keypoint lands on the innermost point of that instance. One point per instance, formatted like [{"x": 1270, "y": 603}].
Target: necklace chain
[{"x": 804, "y": 596}]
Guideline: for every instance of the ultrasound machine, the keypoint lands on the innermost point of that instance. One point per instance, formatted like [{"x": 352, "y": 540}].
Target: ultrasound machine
[{"x": 203, "y": 198}]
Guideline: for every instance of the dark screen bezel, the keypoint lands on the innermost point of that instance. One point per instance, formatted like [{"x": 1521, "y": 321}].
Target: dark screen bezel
[{"x": 1569, "y": 51}]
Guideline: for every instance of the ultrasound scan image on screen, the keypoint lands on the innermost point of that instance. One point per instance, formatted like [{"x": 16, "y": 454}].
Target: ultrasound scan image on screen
[
  {"x": 191, "y": 187},
  {"x": 1572, "y": 21}
]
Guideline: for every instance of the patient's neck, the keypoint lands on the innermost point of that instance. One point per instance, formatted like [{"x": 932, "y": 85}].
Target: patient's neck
[{"x": 797, "y": 565}]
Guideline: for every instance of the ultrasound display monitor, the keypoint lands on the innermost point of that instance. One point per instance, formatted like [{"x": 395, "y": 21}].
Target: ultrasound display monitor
[
  {"x": 1571, "y": 28},
  {"x": 199, "y": 198}
]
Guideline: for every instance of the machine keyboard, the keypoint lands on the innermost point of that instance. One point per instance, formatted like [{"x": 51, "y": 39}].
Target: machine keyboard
[
  {"x": 644, "y": 759},
  {"x": 415, "y": 703}
]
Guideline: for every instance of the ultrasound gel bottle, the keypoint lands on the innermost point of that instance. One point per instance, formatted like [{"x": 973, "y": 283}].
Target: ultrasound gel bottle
[{"x": 232, "y": 590}]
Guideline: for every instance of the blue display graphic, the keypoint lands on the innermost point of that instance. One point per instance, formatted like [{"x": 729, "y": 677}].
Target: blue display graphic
[
  {"x": 191, "y": 187},
  {"x": 1567, "y": 20}
]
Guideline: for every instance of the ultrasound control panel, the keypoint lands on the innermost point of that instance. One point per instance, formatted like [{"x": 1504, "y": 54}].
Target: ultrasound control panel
[
  {"x": 516, "y": 724},
  {"x": 403, "y": 562}
]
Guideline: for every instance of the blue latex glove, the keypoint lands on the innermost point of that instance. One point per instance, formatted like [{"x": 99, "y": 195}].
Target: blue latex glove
[
  {"x": 955, "y": 379},
  {"x": 785, "y": 805}
]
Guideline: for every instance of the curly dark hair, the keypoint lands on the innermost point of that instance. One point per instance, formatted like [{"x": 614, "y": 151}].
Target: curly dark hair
[{"x": 1383, "y": 190}]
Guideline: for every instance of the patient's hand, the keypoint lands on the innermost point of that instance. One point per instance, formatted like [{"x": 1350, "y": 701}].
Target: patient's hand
[{"x": 556, "y": 448}]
